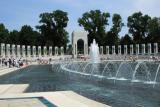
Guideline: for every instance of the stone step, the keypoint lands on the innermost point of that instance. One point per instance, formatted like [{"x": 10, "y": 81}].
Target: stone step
[
  {"x": 59, "y": 98},
  {"x": 13, "y": 88}
]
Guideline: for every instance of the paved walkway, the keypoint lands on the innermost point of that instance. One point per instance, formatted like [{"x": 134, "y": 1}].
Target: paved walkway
[
  {"x": 13, "y": 88},
  {"x": 7, "y": 70},
  {"x": 34, "y": 102},
  {"x": 60, "y": 99},
  {"x": 3, "y": 67}
]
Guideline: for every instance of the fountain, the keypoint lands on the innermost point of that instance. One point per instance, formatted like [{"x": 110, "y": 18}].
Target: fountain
[
  {"x": 125, "y": 70},
  {"x": 94, "y": 52},
  {"x": 135, "y": 72},
  {"x": 124, "y": 82}
]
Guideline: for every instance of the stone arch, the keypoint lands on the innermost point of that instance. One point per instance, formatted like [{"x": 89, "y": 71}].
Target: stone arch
[
  {"x": 80, "y": 46},
  {"x": 76, "y": 36}
]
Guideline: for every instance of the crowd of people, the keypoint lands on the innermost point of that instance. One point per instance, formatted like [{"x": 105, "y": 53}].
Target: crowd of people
[
  {"x": 12, "y": 62},
  {"x": 44, "y": 61},
  {"x": 20, "y": 62}
]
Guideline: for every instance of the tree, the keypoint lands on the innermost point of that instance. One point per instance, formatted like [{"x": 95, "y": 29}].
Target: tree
[
  {"x": 117, "y": 24},
  {"x": 53, "y": 27},
  {"x": 126, "y": 40},
  {"x": 138, "y": 26},
  {"x": 116, "y": 28},
  {"x": 94, "y": 23},
  {"x": 27, "y": 36},
  {"x": 4, "y": 33},
  {"x": 69, "y": 49},
  {"x": 110, "y": 39},
  {"x": 154, "y": 30},
  {"x": 14, "y": 37}
]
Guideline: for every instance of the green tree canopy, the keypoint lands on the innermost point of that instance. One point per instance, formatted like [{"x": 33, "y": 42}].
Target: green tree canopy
[
  {"x": 113, "y": 34},
  {"x": 14, "y": 37},
  {"x": 126, "y": 40},
  {"x": 53, "y": 27},
  {"x": 154, "y": 30},
  {"x": 142, "y": 28},
  {"x": 4, "y": 33},
  {"x": 117, "y": 24},
  {"x": 110, "y": 39},
  {"x": 27, "y": 36},
  {"x": 138, "y": 26},
  {"x": 94, "y": 22}
]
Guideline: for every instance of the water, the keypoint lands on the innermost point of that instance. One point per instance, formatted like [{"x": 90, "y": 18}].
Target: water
[
  {"x": 55, "y": 77},
  {"x": 94, "y": 52},
  {"x": 117, "y": 83},
  {"x": 118, "y": 70},
  {"x": 155, "y": 79},
  {"x": 137, "y": 81}
]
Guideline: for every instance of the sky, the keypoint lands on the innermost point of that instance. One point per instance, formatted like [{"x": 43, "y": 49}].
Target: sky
[{"x": 15, "y": 13}]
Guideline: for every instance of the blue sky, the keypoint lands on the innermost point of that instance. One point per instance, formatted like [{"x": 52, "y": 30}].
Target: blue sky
[{"x": 15, "y": 13}]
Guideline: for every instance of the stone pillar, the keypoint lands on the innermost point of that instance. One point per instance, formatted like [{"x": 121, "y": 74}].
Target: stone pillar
[
  {"x": 149, "y": 48},
  {"x": 155, "y": 48},
  {"x": 8, "y": 49},
  {"x": 125, "y": 50},
  {"x": 29, "y": 51},
  {"x": 107, "y": 50},
  {"x": 50, "y": 51},
  {"x": 137, "y": 49},
  {"x": 62, "y": 51},
  {"x": 3, "y": 50},
  {"x": 45, "y": 51},
  {"x": 131, "y": 50},
  {"x": 101, "y": 50},
  {"x": 143, "y": 49},
  {"x": 39, "y": 51},
  {"x": 74, "y": 50},
  {"x": 56, "y": 50},
  {"x": 23, "y": 51},
  {"x": 33, "y": 51},
  {"x": 13, "y": 51},
  {"x": 113, "y": 50},
  {"x": 119, "y": 49},
  {"x": 89, "y": 49},
  {"x": 18, "y": 51},
  {"x": 86, "y": 50}
]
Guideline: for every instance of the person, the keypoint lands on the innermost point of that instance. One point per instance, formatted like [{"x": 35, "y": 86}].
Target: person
[
  {"x": 5, "y": 62},
  {"x": 125, "y": 57},
  {"x": 134, "y": 59},
  {"x": 13, "y": 62},
  {"x": 3, "y": 59},
  {"x": 20, "y": 62},
  {"x": 10, "y": 62},
  {"x": 50, "y": 59},
  {"x": 16, "y": 63}
]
